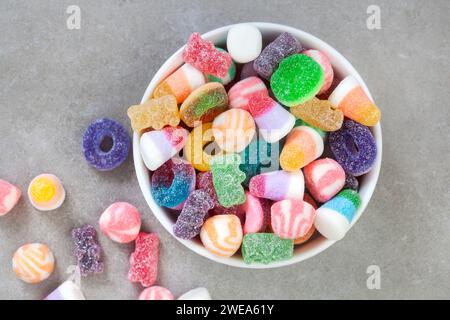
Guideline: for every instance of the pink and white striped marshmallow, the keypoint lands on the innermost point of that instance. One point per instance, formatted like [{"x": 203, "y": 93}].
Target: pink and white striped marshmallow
[
  {"x": 292, "y": 219},
  {"x": 156, "y": 293},
  {"x": 324, "y": 178}
]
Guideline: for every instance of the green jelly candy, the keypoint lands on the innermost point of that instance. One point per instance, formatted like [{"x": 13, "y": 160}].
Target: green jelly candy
[
  {"x": 227, "y": 179},
  {"x": 266, "y": 248},
  {"x": 228, "y": 78},
  {"x": 300, "y": 122},
  {"x": 297, "y": 79}
]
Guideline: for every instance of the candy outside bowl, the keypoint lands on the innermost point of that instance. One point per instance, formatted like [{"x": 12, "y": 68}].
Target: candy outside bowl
[{"x": 318, "y": 243}]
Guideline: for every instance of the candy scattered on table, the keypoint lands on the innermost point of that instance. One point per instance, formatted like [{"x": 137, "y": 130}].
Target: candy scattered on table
[
  {"x": 9, "y": 196},
  {"x": 278, "y": 185},
  {"x": 68, "y": 290},
  {"x": 325, "y": 64},
  {"x": 292, "y": 219},
  {"x": 156, "y": 293},
  {"x": 33, "y": 262},
  {"x": 46, "y": 192},
  {"x": 196, "y": 294},
  {"x": 241, "y": 92},
  {"x": 144, "y": 259},
  {"x": 257, "y": 214},
  {"x": 222, "y": 234},
  {"x": 266, "y": 248},
  {"x": 244, "y": 42},
  {"x": 231, "y": 74},
  {"x": 121, "y": 222},
  {"x": 320, "y": 114},
  {"x": 87, "y": 250}
]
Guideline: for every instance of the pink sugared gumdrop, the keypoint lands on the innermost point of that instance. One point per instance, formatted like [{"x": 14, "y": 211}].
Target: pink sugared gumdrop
[{"x": 121, "y": 222}]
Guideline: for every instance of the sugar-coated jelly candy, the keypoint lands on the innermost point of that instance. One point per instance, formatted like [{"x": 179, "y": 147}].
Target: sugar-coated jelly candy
[
  {"x": 333, "y": 218},
  {"x": 283, "y": 46},
  {"x": 322, "y": 59},
  {"x": 33, "y": 262},
  {"x": 297, "y": 79},
  {"x": 156, "y": 293},
  {"x": 222, "y": 234},
  {"x": 292, "y": 219},
  {"x": 172, "y": 183},
  {"x": 160, "y": 145},
  {"x": 266, "y": 248},
  {"x": 9, "y": 196},
  {"x": 320, "y": 114},
  {"x": 204, "y": 104},
  {"x": 46, "y": 192},
  {"x": 257, "y": 214},
  {"x": 324, "y": 178},
  {"x": 233, "y": 130},
  {"x": 302, "y": 146},
  {"x": 196, "y": 294},
  {"x": 354, "y": 147},
  {"x": 87, "y": 250},
  {"x": 351, "y": 182},
  {"x": 121, "y": 222},
  {"x": 240, "y": 93},
  {"x": 274, "y": 122},
  {"x": 68, "y": 290},
  {"x": 244, "y": 42},
  {"x": 155, "y": 114},
  {"x": 351, "y": 98},
  {"x": 231, "y": 74},
  {"x": 204, "y": 56},
  {"x": 144, "y": 259},
  {"x": 248, "y": 71},
  {"x": 278, "y": 185}
]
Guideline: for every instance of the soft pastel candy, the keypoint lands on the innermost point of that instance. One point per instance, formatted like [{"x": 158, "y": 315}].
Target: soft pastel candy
[
  {"x": 247, "y": 71},
  {"x": 292, "y": 219},
  {"x": 333, "y": 218},
  {"x": 354, "y": 147},
  {"x": 155, "y": 114},
  {"x": 68, "y": 290},
  {"x": 322, "y": 59},
  {"x": 172, "y": 183},
  {"x": 266, "y": 248},
  {"x": 204, "y": 104},
  {"x": 320, "y": 114},
  {"x": 196, "y": 294},
  {"x": 300, "y": 122},
  {"x": 283, "y": 46},
  {"x": 9, "y": 196},
  {"x": 244, "y": 42},
  {"x": 241, "y": 92},
  {"x": 180, "y": 83},
  {"x": 87, "y": 250},
  {"x": 204, "y": 56},
  {"x": 156, "y": 293},
  {"x": 351, "y": 182},
  {"x": 302, "y": 146},
  {"x": 227, "y": 179},
  {"x": 257, "y": 214},
  {"x": 222, "y": 234},
  {"x": 231, "y": 74},
  {"x": 160, "y": 145},
  {"x": 233, "y": 130},
  {"x": 297, "y": 79},
  {"x": 121, "y": 222},
  {"x": 278, "y": 185},
  {"x": 324, "y": 178},
  {"x": 46, "y": 192},
  {"x": 144, "y": 259},
  {"x": 274, "y": 122},
  {"x": 33, "y": 262},
  {"x": 351, "y": 98}
]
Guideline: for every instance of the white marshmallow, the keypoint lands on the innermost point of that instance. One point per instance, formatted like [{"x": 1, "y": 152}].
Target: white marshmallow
[{"x": 244, "y": 42}]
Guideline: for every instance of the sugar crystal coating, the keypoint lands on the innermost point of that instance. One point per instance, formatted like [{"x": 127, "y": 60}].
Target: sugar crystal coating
[
  {"x": 266, "y": 248},
  {"x": 229, "y": 76},
  {"x": 320, "y": 114},
  {"x": 87, "y": 250},
  {"x": 351, "y": 182},
  {"x": 144, "y": 259}
]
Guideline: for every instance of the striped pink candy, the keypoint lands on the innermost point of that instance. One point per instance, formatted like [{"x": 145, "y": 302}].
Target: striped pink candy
[
  {"x": 292, "y": 219},
  {"x": 156, "y": 293},
  {"x": 324, "y": 178},
  {"x": 9, "y": 196},
  {"x": 121, "y": 222},
  {"x": 240, "y": 94}
]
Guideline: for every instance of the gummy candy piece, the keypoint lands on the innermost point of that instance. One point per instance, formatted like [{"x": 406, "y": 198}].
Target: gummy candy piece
[
  {"x": 325, "y": 64},
  {"x": 257, "y": 214},
  {"x": 297, "y": 79},
  {"x": 46, "y": 192},
  {"x": 156, "y": 293},
  {"x": 33, "y": 262},
  {"x": 244, "y": 42},
  {"x": 320, "y": 114},
  {"x": 68, "y": 290},
  {"x": 120, "y": 222},
  {"x": 334, "y": 217},
  {"x": 9, "y": 196},
  {"x": 283, "y": 46},
  {"x": 247, "y": 71},
  {"x": 160, "y": 145},
  {"x": 227, "y": 179},
  {"x": 191, "y": 218},
  {"x": 278, "y": 185},
  {"x": 292, "y": 219},
  {"x": 172, "y": 183},
  {"x": 231, "y": 74},
  {"x": 204, "y": 104},
  {"x": 154, "y": 114},
  {"x": 300, "y": 122},
  {"x": 351, "y": 182},
  {"x": 222, "y": 234},
  {"x": 233, "y": 130},
  {"x": 303, "y": 145},
  {"x": 87, "y": 250},
  {"x": 266, "y": 248},
  {"x": 324, "y": 178},
  {"x": 196, "y": 294},
  {"x": 144, "y": 259},
  {"x": 205, "y": 57},
  {"x": 240, "y": 94},
  {"x": 354, "y": 148}
]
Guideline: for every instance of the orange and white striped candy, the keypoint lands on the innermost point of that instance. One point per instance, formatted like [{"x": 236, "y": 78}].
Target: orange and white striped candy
[
  {"x": 156, "y": 293},
  {"x": 292, "y": 219},
  {"x": 222, "y": 234},
  {"x": 33, "y": 262},
  {"x": 121, "y": 222},
  {"x": 239, "y": 95}
]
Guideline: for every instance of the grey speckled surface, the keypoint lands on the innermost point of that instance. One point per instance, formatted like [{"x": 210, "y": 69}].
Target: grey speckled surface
[{"x": 54, "y": 81}]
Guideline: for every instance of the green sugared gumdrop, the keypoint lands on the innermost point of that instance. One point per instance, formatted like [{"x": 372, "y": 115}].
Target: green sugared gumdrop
[{"x": 266, "y": 248}]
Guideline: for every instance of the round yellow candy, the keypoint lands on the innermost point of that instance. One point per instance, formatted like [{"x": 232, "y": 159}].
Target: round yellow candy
[{"x": 46, "y": 192}]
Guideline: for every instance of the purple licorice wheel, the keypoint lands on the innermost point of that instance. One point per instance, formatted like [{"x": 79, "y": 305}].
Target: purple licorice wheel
[
  {"x": 354, "y": 147},
  {"x": 97, "y": 153}
]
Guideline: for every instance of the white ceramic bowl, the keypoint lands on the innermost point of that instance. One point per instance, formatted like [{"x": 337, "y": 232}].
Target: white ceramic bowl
[{"x": 342, "y": 68}]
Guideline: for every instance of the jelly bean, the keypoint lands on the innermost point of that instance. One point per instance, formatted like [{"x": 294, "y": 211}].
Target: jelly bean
[
  {"x": 87, "y": 250},
  {"x": 196, "y": 294},
  {"x": 324, "y": 178},
  {"x": 322, "y": 59},
  {"x": 354, "y": 147},
  {"x": 278, "y": 185},
  {"x": 227, "y": 179},
  {"x": 172, "y": 183},
  {"x": 33, "y": 262},
  {"x": 244, "y": 42},
  {"x": 155, "y": 114},
  {"x": 291, "y": 219},
  {"x": 300, "y": 122},
  {"x": 204, "y": 104},
  {"x": 302, "y": 146},
  {"x": 334, "y": 217},
  {"x": 266, "y": 248},
  {"x": 273, "y": 121},
  {"x": 257, "y": 214},
  {"x": 121, "y": 222},
  {"x": 205, "y": 57},
  {"x": 351, "y": 182},
  {"x": 222, "y": 234},
  {"x": 144, "y": 259},
  {"x": 9, "y": 196},
  {"x": 243, "y": 90},
  {"x": 231, "y": 74},
  {"x": 350, "y": 97},
  {"x": 297, "y": 79},
  {"x": 46, "y": 192},
  {"x": 320, "y": 114},
  {"x": 283, "y": 46},
  {"x": 160, "y": 145},
  {"x": 233, "y": 130},
  {"x": 247, "y": 71},
  {"x": 156, "y": 293},
  {"x": 68, "y": 290}
]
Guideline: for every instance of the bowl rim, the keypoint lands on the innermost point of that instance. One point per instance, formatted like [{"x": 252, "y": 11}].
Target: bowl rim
[{"x": 310, "y": 248}]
